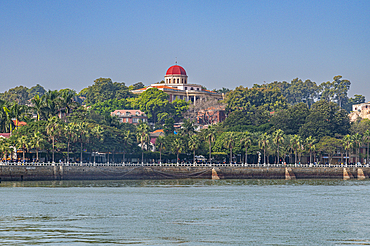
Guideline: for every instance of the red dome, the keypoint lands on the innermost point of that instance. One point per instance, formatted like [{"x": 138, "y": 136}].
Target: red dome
[{"x": 176, "y": 70}]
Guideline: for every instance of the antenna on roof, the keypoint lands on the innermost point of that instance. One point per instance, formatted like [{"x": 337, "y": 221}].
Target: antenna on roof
[{"x": 176, "y": 60}]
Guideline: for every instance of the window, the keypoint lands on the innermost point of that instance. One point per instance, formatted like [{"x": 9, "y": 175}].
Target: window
[
  {"x": 197, "y": 89},
  {"x": 178, "y": 81},
  {"x": 126, "y": 120},
  {"x": 135, "y": 120},
  {"x": 186, "y": 88},
  {"x": 137, "y": 112},
  {"x": 182, "y": 81}
]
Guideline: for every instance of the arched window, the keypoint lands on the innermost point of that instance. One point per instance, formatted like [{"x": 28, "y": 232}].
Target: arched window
[{"x": 178, "y": 81}]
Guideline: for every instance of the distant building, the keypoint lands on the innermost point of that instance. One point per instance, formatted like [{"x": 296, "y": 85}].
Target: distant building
[
  {"x": 177, "y": 87},
  {"x": 130, "y": 116},
  {"x": 361, "y": 110},
  {"x": 361, "y": 107}
]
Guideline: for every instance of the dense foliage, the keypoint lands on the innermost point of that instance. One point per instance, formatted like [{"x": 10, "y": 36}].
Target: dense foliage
[{"x": 269, "y": 123}]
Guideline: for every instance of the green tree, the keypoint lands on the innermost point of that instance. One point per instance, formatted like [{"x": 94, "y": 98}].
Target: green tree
[
  {"x": 310, "y": 145},
  {"x": 155, "y": 104},
  {"x": 296, "y": 143},
  {"x": 210, "y": 134},
  {"x": 52, "y": 128},
  {"x": 329, "y": 145},
  {"x": 36, "y": 90},
  {"x": 290, "y": 120},
  {"x": 104, "y": 89},
  {"x": 71, "y": 134},
  {"x": 160, "y": 142},
  {"x": 178, "y": 146},
  {"x": 278, "y": 138},
  {"x": 142, "y": 135},
  {"x": 325, "y": 119},
  {"x": 194, "y": 144},
  {"x": 23, "y": 143},
  {"x": 229, "y": 142},
  {"x": 37, "y": 142},
  {"x": 246, "y": 141},
  {"x": 366, "y": 140},
  {"x": 263, "y": 142},
  {"x": 83, "y": 135},
  {"x": 38, "y": 106},
  {"x": 357, "y": 142},
  {"x": 347, "y": 143}
]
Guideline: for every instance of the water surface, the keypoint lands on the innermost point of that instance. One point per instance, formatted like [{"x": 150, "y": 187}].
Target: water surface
[{"x": 185, "y": 212}]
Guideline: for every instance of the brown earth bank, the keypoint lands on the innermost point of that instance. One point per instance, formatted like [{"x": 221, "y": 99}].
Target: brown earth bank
[{"x": 30, "y": 173}]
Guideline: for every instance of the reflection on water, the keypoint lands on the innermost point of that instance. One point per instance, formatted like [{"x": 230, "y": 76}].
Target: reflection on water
[
  {"x": 186, "y": 212},
  {"x": 182, "y": 183}
]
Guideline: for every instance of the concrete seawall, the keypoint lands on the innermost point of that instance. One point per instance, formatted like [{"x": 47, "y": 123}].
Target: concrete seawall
[{"x": 29, "y": 173}]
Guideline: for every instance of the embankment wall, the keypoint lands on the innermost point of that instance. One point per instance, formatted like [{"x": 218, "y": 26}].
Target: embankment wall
[{"x": 29, "y": 173}]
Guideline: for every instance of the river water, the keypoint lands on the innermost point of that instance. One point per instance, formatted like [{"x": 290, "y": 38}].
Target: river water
[{"x": 186, "y": 212}]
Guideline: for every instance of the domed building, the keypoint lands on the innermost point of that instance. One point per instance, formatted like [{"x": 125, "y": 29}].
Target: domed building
[{"x": 177, "y": 87}]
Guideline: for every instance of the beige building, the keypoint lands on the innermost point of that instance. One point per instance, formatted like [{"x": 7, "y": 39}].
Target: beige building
[
  {"x": 177, "y": 87},
  {"x": 361, "y": 110}
]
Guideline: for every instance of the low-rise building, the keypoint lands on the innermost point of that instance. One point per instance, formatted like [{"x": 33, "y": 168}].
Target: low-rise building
[
  {"x": 361, "y": 110},
  {"x": 132, "y": 116}
]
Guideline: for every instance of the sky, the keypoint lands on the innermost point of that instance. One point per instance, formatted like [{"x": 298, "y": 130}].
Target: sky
[{"x": 68, "y": 44}]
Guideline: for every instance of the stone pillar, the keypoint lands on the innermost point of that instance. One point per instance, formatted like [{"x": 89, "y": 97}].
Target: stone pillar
[
  {"x": 360, "y": 174},
  {"x": 214, "y": 174},
  {"x": 289, "y": 174}
]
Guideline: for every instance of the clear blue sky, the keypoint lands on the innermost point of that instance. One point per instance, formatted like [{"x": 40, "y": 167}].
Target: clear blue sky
[{"x": 68, "y": 44}]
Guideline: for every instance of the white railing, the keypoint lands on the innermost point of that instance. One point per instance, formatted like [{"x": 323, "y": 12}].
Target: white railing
[{"x": 175, "y": 164}]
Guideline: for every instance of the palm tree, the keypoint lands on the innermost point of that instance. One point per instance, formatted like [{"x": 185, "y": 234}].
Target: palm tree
[
  {"x": 310, "y": 144},
  {"x": 23, "y": 143},
  {"x": 51, "y": 129},
  {"x": 8, "y": 122},
  {"x": 83, "y": 135},
  {"x": 246, "y": 140},
  {"x": 357, "y": 141},
  {"x": 98, "y": 133},
  {"x": 347, "y": 144},
  {"x": 65, "y": 103},
  {"x": 178, "y": 145},
  {"x": 194, "y": 144},
  {"x": 160, "y": 142},
  {"x": 37, "y": 142},
  {"x": 278, "y": 137},
  {"x": 209, "y": 134},
  {"x": 263, "y": 142},
  {"x": 142, "y": 134},
  {"x": 296, "y": 143},
  {"x": 187, "y": 128},
  {"x": 127, "y": 141},
  {"x": 37, "y": 106},
  {"x": 17, "y": 112},
  {"x": 50, "y": 101},
  {"x": 366, "y": 140},
  {"x": 4, "y": 148},
  {"x": 70, "y": 132},
  {"x": 229, "y": 142}
]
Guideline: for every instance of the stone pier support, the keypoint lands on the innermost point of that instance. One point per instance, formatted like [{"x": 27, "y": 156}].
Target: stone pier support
[
  {"x": 289, "y": 174},
  {"x": 347, "y": 174},
  {"x": 360, "y": 174},
  {"x": 214, "y": 174}
]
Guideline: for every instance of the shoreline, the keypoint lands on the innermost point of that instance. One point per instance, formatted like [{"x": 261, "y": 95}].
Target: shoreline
[{"x": 156, "y": 172}]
